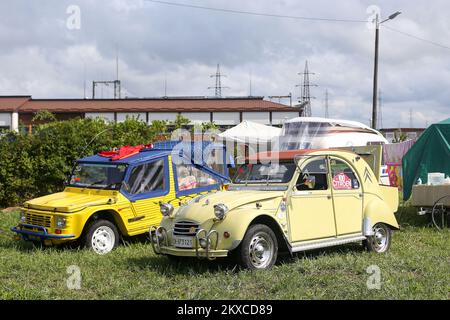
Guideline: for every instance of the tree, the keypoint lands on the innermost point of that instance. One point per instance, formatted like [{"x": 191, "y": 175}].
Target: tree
[
  {"x": 181, "y": 121},
  {"x": 43, "y": 115}
]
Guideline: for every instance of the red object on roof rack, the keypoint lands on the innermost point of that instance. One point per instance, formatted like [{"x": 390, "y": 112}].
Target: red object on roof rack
[{"x": 124, "y": 152}]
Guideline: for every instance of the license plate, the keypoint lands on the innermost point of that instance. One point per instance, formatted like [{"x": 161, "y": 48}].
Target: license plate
[{"x": 183, "y": 242}]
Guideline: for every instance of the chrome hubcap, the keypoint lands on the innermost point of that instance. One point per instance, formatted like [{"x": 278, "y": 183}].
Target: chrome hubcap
[
  {"x": 379, "y": 239},
  {"x": 261, "y": 250},
  {"x": 103, "y": 240}
]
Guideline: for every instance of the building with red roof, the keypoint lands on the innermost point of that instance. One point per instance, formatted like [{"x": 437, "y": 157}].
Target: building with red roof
[{"x": 225, "y": 112}]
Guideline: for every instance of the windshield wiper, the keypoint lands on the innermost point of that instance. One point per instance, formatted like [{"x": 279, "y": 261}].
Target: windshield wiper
[
  {"x": 110, "y": 185},
  {"x": 94, "y": 183}
]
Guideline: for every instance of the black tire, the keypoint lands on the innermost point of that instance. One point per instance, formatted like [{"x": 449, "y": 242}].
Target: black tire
[
  {"x": 247, "y": 253},
  {"x": 100, "y": 230},
  {"x": 376, "y": 244}
]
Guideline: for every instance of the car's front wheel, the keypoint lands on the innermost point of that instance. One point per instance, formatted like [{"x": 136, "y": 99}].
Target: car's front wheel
[
  {"x": 259, "y": 248},
  {"x": 380, "y": 241},
  {"x": 101, "y": 236}
]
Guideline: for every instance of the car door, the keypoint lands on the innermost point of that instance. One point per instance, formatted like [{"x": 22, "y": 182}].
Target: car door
[
  {"x": 347, "y": 197},
  {"x": 148, "y": 185},
  {"x": 311, "y": 213}
]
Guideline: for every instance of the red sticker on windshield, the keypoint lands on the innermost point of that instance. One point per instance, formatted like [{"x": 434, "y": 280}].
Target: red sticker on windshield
[{"x": 342, "y": 182}]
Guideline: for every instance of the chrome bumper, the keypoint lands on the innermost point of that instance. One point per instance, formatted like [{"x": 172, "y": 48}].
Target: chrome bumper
[{"x": 160, "y": 244}]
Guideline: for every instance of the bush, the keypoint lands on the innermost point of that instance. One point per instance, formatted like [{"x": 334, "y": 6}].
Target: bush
[{"x": 38, "y": 164}]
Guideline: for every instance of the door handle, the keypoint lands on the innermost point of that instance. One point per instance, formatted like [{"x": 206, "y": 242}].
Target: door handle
[{"x": 328, "y": 197}]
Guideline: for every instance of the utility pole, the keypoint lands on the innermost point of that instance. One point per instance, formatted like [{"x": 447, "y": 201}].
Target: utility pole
[
  {"x": 289, "y": 96},
  {"x": 305, "y": 98},
  {"x": 375, "y": 75},
  {"x": 375, "y": 71},
  {"x": 106, "y": 83},
  {"x": 115, "y": 83},
  {"x": 218, "y": 87}
]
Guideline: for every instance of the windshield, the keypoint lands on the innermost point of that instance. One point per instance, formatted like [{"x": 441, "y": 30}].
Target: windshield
[
  {"x": 98, "y": 175},
  {"x": 264, "y": 173}
]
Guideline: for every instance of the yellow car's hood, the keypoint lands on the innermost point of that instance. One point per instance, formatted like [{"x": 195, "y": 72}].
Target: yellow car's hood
[
  {"x": 202, "y": 208},
  {"x": 72, "y": 199}
]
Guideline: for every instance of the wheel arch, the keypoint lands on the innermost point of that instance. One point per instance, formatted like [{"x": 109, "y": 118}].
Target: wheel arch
[
  {"x": 269, "y": 221},
  {"x": 377, "y": 211},
  {"x": 107, "y": 214}
]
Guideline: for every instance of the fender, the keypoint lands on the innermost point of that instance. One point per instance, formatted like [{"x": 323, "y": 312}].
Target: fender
[
  {"x": 377, "y": 211},
  {"x": 239, "y": 221},
  {"x": 103, "y": 212}
]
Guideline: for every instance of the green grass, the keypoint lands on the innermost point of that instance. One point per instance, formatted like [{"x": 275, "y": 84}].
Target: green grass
[{"x": 416, "y": 267}]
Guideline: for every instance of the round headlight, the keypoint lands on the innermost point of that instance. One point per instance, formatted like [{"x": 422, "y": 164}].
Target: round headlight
[
  {"x": 60, "y": 222},
  {"x": 220, "y": 211},
  {"x": 23, "y": 217},
  {"x": 166, "y": 209}
]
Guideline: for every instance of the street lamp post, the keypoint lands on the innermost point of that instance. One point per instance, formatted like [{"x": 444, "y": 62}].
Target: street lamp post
[{"x": 375, "y": 71}]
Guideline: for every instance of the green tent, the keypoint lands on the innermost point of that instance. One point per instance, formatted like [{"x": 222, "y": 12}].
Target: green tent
[{"x": 431, "y": 153}]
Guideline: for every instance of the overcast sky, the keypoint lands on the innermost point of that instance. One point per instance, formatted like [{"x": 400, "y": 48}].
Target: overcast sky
[{"x": 43, "y": 52}]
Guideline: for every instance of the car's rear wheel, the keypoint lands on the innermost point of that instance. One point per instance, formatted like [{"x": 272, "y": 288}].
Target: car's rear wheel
[
  {"x": 258, "y": 249},
  {"x": 380, "y": 241},
  {"x": 101, "y": 236}
]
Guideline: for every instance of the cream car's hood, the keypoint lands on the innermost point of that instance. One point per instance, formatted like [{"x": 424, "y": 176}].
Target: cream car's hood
[{"x": 202, "y": 208}]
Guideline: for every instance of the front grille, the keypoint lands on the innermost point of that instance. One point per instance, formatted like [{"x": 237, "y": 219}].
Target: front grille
[
  {"x": 185, "y": 228},
  {"x": 38, "y": 220}
]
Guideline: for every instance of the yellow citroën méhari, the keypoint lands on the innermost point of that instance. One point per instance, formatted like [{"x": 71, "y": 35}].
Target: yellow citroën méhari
[{"x": 291, "y": 201}]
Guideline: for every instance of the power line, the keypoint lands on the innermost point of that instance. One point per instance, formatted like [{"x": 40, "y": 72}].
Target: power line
[
  {"x": 417, "y": 38},
  {"x": 176, "y": 4},
  {"x": 262, "y": 14}
]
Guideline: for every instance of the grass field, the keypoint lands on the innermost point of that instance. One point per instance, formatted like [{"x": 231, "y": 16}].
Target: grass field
[{"x": 417, "y": 267}]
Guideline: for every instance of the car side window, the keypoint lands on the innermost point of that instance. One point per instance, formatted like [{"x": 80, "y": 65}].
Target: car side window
[
  {"x": 190, "y": 177},
  {"x": 147, "y": 178},
  {"x": 342, "y": 175},
  {"x": 313, "y": 175}
]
